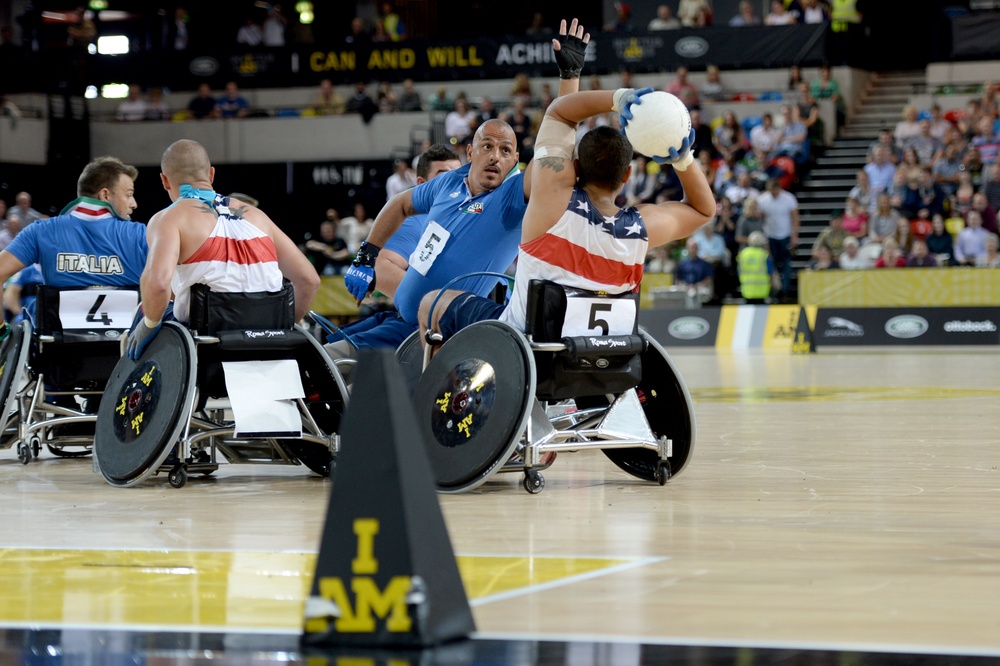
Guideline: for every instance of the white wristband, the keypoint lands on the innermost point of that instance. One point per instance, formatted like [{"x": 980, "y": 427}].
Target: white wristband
[
  {"x": 616, "y": 100},
  {"x": 150, "y": 323},
  {"x": 683, "y": 163}
]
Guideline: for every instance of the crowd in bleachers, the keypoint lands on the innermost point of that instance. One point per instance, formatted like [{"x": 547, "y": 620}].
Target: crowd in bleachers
[{"x": 928, "y": 195}]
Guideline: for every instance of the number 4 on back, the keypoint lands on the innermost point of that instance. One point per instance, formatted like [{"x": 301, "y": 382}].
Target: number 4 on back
[{"x": 94, "y": 311}]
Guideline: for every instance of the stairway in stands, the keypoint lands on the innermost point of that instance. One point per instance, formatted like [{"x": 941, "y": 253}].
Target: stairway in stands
[{"x": 825, "y": 188}]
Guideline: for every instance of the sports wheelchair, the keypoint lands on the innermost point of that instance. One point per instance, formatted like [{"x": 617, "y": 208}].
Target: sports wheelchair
[
  {"x": 584, "y": 375},
  {"x": 52, "y": 377},
  {"x": 172, "y": 410}
]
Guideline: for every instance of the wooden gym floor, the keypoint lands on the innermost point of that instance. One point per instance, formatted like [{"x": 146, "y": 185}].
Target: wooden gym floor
[{"x": 841, "y": 502}]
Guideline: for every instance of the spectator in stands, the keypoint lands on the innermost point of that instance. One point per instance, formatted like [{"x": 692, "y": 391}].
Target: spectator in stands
[
  {"x": 751, "y": 219},
  {"x": 328, "y": 101},
  {"x": 794, "y": 136},
  {"x": 765, "y": 136},
  {"x": 892, "y": 256},
  {"x": 981, "y": 205},
  {"x": 250, "y": 33},
  {"x": 940, "y": 128},
  {"x": 702, "y": 134},
  {"x": 379, "y": 35},
  {"x": 132, "y": 107},
  {"x": 361, "y": 103},
  {"x": 156, "y": 107},
  {"x": 882, "y": 223},
  {"x": 855, "y": 221},
  {"x": 808, "y": 112},
  {"x": 712, "y": 248},
  {"x": 728, "y": 137},
  {"x": 707, "y": 166},
  {"x": 725, "y": 225},
  {"x": 683, "y": 89},
  {"x": 403, "y": 178},
  {"x": 176, "y": 33},
  {"x": 460, "y": 123},
  {"x": 990, "y": 257},
  {"x": 22, "y": 208},
  {"x": 909, "y": 165},
  {"x": 745, "y": 16},
  {"x": 826, "y": 87},
  {"x": 641, "y": 185},
  {"x": 410, "y": 99},
  {"x": 832, "y": 238},
  {"x": 814, "y": 12},
  {"x": 694, "y": 13},
  {"x": 522, "y": 90},
  {"x": 973, "y": 162},
  {"x": 940, "y": 243},
  {"x": 623, "y": 19},
  {"x": 13, "y": 227},
  {"x": 886, "y": 141},
  {"x": 779, "y": 15},
  {"x": 971, "y": 240},
  {"x": 3, "y": 212},
  {"x": 822, "y": 259},
  {"x": 926, "y": 148},
  {"x": 781, "y": 224},
  {"x": 986, "y": 140},
  {"x": 880, "y": 171},
  {"x": 355, "y": 229},
  {"x": 903, "y": 235},
  {"x": 908, "y": 127},
  {"x": 863, "y": 192},
  {"x": 329, "y": 253},
  {"x": 794, "y": 78},
  {"x": 393, "y": 25},
  {"x": 386, "y": 98},
  {"x": 755, "y": 268},
  {"x": 713, "y": 90},
  {"x": 538, "y": 28},
  {"x": 851, "y": 259},
  {"x": 665, "y": 20},
  {"x": 274, "y": 27},
  {"x": 695, "y": 274},
  {"x": 202, "y": 106},
  {"x": 919, "y": 256},
  {"x": 946, "y": 169},
  {"x": 358, "y": 35},
  {"x": 991, "y": 186},
  {"x": 740, "y": 191},
  {"x": 232, "y": 104},
  {"x": 486, "y": 111}
]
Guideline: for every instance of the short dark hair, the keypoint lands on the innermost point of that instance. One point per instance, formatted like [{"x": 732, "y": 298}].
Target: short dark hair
[
  {"x": 436, "y": 153},
  {"x": 103, "y": 172},
  {"x": 604, "y": 158}
]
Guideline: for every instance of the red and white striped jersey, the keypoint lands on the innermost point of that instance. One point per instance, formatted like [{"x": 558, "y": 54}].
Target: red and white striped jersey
[
  {"x": 236, "y": 257},
  {"x": 585, "y": 250}
]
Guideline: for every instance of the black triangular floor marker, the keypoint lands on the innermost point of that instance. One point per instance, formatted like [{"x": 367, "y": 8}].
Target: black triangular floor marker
[
  {"x": 803, "y": 342},
  {"x": 385, "y": 560}
]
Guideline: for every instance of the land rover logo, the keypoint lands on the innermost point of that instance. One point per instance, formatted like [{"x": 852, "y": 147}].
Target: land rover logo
[
  {"x": 204, "y": 66},
  {"x": 906, "y": 326},
  {"x": 691, "y": 47},
  {"x": 688, "y": 328}
]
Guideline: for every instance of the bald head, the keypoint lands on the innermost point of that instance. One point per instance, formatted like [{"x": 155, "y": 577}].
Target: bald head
[
  {"x": 495, "y": 127},
  {"x": 186, "y": 161}
]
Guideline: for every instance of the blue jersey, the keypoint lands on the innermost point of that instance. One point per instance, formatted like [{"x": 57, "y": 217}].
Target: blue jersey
[
  {"x": 84, "y": 246},
  {"x": 463, "y": 234},
  {"x": 28, "y": 279},
  {"x": 404, "y": 241}
]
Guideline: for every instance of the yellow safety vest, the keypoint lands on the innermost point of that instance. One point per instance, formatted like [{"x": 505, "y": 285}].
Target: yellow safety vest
[
  {"x": 843, "y": 12},
  {"x": 755, "y": 282}
]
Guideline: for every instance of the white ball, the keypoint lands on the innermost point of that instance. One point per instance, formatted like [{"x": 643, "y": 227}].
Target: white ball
[{"x": 659, "y": 123}]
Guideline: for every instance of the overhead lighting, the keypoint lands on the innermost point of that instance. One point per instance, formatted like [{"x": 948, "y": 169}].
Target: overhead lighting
[
  {"x": 114, "y": 91},
  {"x": 112, "y": 45},
  {"x": 91, "y": 92},
  {"x": 98, "y": 5},
  {"x": 113, "y": 15},
  {"x": 305, "y": 11}
]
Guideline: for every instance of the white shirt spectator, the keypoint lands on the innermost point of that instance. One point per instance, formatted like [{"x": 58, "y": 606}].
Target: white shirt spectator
[
  {"x": 764, "y": 138},
  {"x": 777, "y": 213},
  {"x": 397, "y": 183},
  {"x": 132, "y": 109}
]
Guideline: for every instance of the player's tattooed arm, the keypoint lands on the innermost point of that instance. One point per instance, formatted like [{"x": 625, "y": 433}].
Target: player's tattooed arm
[{"x": 557, "y": 164}]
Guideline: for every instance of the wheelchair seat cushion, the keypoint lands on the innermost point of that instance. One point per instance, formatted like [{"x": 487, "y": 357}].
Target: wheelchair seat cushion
[{"x": 213, "y": 311}]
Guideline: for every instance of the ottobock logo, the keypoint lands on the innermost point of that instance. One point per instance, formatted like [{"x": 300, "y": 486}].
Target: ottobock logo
[
  {"x": 691, "y": 47},
  {"x": 688, "y": 328},
  {"x": 967, "y": 326},
  {"x": 843, "y": 328},
  {"x": 906, "y": 326}
]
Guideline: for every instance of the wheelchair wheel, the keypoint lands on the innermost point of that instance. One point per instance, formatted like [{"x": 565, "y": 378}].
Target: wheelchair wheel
[
  {"x": 410, "y": 356},
  {"x": 326, "y": 402},
  {"x": 472, "y": 403},
  {"x": 145, "y": 407},
  {"x": 667, "y": 404},
  {"x": 13, "y": 359}
]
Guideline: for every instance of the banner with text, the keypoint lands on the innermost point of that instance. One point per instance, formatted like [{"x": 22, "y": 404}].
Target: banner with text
[{"x": 851, "y": 327}]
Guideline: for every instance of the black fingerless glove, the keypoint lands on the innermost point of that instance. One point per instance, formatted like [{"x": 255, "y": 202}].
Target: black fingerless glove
[
  {"x": 570, "y": 56},
  {"x": 367, "y": 254}
]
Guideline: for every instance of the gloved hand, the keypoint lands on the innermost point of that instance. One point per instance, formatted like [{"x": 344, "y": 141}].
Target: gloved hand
[
  {"x": 360, "y": 277},
  {"x": 680, "y": 159},
  {"x": 625, "y": 98},
  {"x": 570, "y": 50},
  {"x": 5, "y": 330},
  {"x": 140, "y": 335}
]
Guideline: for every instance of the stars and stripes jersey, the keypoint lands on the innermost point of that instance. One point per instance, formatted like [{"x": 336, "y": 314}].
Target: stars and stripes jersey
[
  {"x": 84, "y": 246},
  {"x": 236, "y": 258},
  {"x": 585, "y": 250}
]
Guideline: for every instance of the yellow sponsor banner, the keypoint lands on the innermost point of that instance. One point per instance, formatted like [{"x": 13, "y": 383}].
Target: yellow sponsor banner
[
  {"x": 905, "y": 287},
  {"x": 333, "y": 299},
  {"x": 779, "y": 330}
]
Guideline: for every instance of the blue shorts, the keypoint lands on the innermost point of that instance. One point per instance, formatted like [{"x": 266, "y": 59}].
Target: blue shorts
[
  {"x": 466, "y": 310},
  {"x": 382, "y": 329}
]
